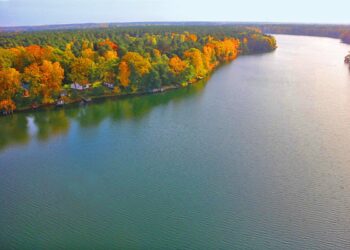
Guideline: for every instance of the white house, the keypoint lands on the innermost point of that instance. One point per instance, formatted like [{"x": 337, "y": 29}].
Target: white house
[
  {"x": 108, "y": 85},
  {"x": 78, "y": 86}
]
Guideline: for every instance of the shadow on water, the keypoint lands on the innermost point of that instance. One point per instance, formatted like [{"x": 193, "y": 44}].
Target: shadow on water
[{"x": 44, "y": 124}]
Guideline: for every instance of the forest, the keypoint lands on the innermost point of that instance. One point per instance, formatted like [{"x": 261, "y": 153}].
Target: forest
[
  {"x": 324, "y": 30},
  {"x": 64, "y": 66}
]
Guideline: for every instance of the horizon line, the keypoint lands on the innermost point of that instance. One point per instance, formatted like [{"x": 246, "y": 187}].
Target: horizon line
[{"x": 171, "y": 22}]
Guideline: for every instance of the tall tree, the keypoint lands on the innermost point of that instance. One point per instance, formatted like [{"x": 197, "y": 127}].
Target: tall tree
[
  {"x": 9, "y": 87},
  {"x": 124, "y": 74},
  {"x": 81, "y": 70},
  {"x": 177, "y": 65},
  {"x": 195, "y": 58},
  {"x": 44, "y": 80}
]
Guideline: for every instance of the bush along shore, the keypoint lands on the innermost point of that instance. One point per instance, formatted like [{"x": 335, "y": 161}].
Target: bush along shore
[
  {"x": 347, "y": 59},
  {"x": 49, "y": 68}
]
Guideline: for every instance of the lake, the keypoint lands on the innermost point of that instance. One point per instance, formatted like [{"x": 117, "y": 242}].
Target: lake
[{"x": 258, "y": 157}]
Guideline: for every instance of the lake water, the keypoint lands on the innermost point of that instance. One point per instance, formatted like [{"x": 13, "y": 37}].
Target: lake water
[{"x": 256, "y": 158}]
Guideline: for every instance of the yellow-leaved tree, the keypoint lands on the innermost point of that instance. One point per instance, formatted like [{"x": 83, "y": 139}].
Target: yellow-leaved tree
[{"x": 9, "y": 86}]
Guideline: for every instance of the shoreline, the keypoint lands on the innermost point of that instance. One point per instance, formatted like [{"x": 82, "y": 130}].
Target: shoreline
[
  {"x": 97, "y": 98},
  {"x": 116, "y": 96},
  {"x": 168, "y": 88}
]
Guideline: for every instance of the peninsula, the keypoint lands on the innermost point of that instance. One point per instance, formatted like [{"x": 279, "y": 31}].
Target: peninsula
[{"x": 59, "y": 67}]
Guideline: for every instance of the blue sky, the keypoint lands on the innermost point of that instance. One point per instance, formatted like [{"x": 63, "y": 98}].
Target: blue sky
[{"x": 38, "y": 12}]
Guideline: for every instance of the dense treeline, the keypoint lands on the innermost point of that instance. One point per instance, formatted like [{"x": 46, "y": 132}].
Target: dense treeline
[
  {"x": 42, "y": 67},
  {"x": 335, "y": 31}
]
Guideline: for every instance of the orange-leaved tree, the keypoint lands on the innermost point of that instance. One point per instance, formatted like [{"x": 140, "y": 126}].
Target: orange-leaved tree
[
  {"x": 9, "y": 87},
  {"x": 177, "y": 65},
  {"x": 226, "y": 50},
  {"x": 195, "y": 58},
  {"x": 124, "y": 74},
  {"x": 44, "y": 80},
  {"x": 141, "y": 65},
  {"x": 52, "y": 76}
]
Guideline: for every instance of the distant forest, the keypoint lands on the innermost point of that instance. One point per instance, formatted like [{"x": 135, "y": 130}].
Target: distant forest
[
  {"x": 334, "y": 31},
  {"x": 341, "y": 31},
  {"x": 38, "y": 67}
]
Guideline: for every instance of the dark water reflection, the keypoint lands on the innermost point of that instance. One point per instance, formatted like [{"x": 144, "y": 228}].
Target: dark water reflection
[{"x": 44, "y": 124}]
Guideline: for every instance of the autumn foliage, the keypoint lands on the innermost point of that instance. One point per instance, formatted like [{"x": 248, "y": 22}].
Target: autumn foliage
[
  {"x": 7, "y": 105},
  {"x": 44, "y": 80},
  {"x": 128, "y": 62},
  {"x": 124, "y": 74},
  {"x": 9, "y": 86},
  {"x": 177, "y": 65}
]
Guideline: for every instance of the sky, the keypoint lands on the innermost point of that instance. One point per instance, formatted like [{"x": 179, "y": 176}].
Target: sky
[{"x": 42, "y": 12}]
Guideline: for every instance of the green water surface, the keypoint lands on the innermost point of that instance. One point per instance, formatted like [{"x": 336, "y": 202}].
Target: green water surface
[{"x": 256, "y": 158}]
